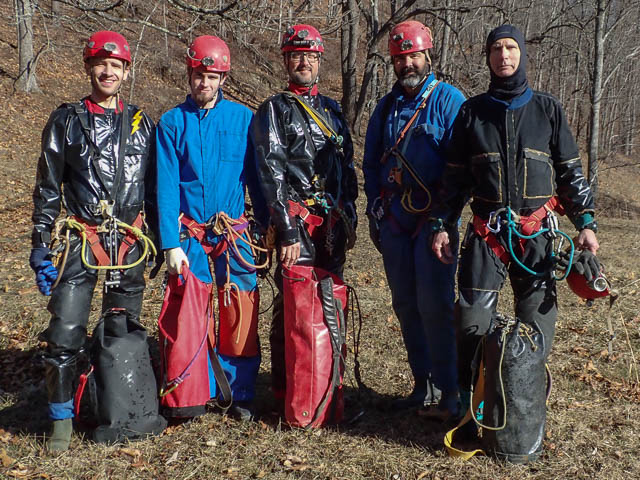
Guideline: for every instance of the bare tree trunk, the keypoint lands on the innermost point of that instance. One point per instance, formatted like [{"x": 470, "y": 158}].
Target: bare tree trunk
[
  {"x": 446, "y": 34},
  {"x": 596, "y": 96},
  {"x": 27, "y": 80},
  {"x": 349, "y": 49}
]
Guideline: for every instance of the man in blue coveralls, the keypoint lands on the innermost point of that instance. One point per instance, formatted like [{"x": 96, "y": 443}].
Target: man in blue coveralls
[
  {"x": 204, "y": 163},
  {"x": 403, "y": 162}
]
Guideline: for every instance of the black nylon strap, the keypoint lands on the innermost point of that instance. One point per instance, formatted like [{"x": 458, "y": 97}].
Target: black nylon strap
[
  {"x": 83, "y": 117},
  {"x": 225, "y": 399}
]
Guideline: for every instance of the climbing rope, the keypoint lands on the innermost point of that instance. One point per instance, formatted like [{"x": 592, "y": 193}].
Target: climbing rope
[{"x": 512, "y": 228}]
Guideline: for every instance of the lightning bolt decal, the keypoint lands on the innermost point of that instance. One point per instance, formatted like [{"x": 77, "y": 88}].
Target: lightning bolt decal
[{"x": 135, "y": 124}]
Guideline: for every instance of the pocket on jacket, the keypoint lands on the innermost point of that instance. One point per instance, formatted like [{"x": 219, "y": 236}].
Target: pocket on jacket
[
  {"x": 433, "y": 133},
  {"x": 487, "y": 171},
  {"x": 232, "y": 146},
  {"x": 538, "y": 174}
]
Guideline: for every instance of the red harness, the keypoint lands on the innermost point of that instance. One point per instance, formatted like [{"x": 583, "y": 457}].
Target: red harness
[
  {"x": 299, "y": 210},
  {"x": 99, "y": 253},
  {"x": 528, "y": 224},
  {"x": 199, "y": 232}
]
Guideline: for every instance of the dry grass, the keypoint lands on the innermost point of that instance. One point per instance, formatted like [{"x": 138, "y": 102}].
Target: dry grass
[{"x": 592, "y": 412}]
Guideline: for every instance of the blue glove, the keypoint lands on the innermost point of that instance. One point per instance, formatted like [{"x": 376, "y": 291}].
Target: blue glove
[{"x": 46, "y": 273}]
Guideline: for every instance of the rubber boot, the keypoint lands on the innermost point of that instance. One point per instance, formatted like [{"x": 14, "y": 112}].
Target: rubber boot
[
  {"x": 424, "y": 394},
  {"x": 60, "y": 436},
  {"x": 243, "y": 411},
  {"x": 415, "y": 399}
]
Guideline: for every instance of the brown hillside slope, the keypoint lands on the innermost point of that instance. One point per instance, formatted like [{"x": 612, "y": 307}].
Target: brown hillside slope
[{"x": 592, "y": 414}]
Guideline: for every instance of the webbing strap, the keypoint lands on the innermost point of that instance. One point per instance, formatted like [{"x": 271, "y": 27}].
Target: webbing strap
[
  {"x": 199, "y": 232},
  {"x": 83, "y": 117},
  {"x": 529, "y": 225},
  {"x": 95, "y": 244},
  {"x": 129, "y": 239},
  {"x": 427, "y": 93},
  {"x": 317, "y": 117},
  {"x": 478, "y": 397},
  {"x": 93, "y": 239},
  {"x": 299, "y": 210}
]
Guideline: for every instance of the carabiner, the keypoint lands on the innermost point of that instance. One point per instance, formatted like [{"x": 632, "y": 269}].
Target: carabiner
[{"x": 494, "y": 219}]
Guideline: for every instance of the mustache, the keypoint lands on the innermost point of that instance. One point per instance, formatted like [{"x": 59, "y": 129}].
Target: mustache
[{"x": 408, "y": 71}]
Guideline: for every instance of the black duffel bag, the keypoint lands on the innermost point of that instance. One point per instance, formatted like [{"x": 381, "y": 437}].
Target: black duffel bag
[
  {"x": 122, "y": 391},
  {"x": 515, "y": 391}
]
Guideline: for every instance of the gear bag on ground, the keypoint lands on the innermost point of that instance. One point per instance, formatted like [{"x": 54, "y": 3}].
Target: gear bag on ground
[
  {"x": 123, "y": 394},
  {"x": 515, "y": 391},
  {"x": 315, "y": 304}
]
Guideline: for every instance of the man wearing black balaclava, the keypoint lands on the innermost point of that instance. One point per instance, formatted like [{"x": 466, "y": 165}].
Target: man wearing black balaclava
[{"x": 513, "y": 154}]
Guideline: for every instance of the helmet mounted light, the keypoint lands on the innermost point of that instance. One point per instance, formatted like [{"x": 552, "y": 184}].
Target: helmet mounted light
[{"x": 209, "y": 52}]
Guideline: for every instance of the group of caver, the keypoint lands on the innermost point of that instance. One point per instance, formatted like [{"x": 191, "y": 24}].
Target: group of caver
[{"x": 182, "y": 182}]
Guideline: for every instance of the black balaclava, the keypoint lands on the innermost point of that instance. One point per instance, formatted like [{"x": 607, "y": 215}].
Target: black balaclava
[{"x": 507, "y": 88}]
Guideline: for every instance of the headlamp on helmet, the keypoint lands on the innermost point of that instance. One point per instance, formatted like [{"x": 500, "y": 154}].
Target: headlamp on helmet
[
  {"x": 408, "y": 37},
  {"x": 302, "y": 38},
  {"x": 209, "y": 53},
  {"x": 107, "y": 44}
]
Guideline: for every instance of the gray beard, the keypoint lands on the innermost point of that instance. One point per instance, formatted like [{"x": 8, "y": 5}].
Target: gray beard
[{"x": 412, "y": 81}]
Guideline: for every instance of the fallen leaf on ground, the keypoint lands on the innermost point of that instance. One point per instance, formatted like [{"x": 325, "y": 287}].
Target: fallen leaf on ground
[
  {"x": 293, "y": 462},
  {"x": 4, "y": 436},
  {"x": 172, "y": 459},
  {"x": 132, "y": 452},
  {"x": 6, "y": 459}
]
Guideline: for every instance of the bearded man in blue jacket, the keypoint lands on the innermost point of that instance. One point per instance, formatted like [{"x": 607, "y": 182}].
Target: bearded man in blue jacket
[
  {"x": 205, "y": 161},
  {"x": 403, "y": 162}
]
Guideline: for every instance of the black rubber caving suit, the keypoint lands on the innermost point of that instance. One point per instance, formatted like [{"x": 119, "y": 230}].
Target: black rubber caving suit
[
  {"x": 81, "y": 165},
  {"x": 297, "y": 163},
  {"x": 518, "y": 155}
]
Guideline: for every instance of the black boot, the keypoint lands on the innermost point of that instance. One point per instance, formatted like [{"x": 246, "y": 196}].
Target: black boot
[
  {"x": 60, "y": 374},
  {"x": 424, "y": 393}
]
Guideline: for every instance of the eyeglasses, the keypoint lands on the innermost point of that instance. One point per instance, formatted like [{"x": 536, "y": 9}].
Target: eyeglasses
[{"x": 312, "y": 57}]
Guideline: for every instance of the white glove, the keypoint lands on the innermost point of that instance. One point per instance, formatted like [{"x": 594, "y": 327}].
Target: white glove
[{"x": 175, "y": 258}]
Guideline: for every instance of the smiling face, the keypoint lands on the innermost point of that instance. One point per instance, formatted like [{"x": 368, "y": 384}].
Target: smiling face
[
  {"x": 204, "y": 86},
  {"x": 504, "y": 57},
  {"x": 106, "y": 75},
  {"x": 411, "y": 69},
  {"x": 302, "y": 67}
]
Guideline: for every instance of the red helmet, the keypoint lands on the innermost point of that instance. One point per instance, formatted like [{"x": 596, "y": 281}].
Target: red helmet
[
  {"x": 597, "y": 288},
  {"x": 409, "y": 37},
  {"x": 210, "y": 53},
  {"x": 107, "y": 44},
  {"x": 302, "y": 38}
]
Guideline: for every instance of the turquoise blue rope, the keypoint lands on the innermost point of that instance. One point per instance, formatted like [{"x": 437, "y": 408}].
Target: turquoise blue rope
[{"x": 513, "y": 228}]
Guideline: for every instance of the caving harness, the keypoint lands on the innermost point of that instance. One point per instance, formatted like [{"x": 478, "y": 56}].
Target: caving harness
[
  {"x": 330, "y": 206},
  {"x": 94, "y": 236},
  {"x": 542, "y": 221},
  {"x": 111, "y": 261},
  {"x": 399, "y": 151},
  {"x": 230, "y": 231}
]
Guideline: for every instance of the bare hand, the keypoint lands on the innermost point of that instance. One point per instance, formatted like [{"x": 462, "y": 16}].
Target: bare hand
[
  {"x": 442, "y": 248},
  {"x": 587, "y": 241},
  {"x": 289, "y": 254}
]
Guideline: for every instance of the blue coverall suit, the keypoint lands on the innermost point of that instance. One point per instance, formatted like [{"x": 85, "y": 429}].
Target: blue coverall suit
[
  {"x": 422, "y": 287},
  {"x": 205, "y": 161}
]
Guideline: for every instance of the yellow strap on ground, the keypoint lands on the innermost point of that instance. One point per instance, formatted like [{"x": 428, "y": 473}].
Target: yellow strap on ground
[
  {"x": 455, "y": 452},
  {"x": 476, "y": 398}
]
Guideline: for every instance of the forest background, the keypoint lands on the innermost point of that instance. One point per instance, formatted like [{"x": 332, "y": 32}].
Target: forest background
[{"x": 583, "y": 52}]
